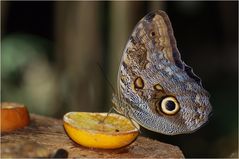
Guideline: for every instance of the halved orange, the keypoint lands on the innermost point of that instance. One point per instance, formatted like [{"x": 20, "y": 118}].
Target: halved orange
[
  {"x": 13, "y": 116},
  {"x": 95, "y": 130}
]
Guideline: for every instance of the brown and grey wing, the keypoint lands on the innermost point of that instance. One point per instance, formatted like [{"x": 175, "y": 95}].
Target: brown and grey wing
[
  {"x": 152, "y": 34},
  {"x": 150, "y": 69}
]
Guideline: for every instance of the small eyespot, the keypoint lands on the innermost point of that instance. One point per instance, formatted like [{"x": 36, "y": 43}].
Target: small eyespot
[
  {"x": 138, "y": 83},
  {"x": 158, "y": 87},
  {"x": 168, "y": 105},
  {"x": 152, "y": 34}
]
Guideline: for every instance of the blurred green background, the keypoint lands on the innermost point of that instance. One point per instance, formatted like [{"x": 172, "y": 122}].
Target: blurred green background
[{"x": 50, "y": 52}]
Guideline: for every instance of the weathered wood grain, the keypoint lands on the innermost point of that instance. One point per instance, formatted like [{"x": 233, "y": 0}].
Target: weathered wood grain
[{"x": 46, "y": 135}]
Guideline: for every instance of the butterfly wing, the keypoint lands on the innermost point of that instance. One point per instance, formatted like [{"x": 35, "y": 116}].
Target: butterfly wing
[{"x": 155, "y": 87}]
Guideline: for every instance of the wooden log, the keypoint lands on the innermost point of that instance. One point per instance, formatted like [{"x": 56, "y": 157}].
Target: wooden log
[{"x": 45, "y": 137}]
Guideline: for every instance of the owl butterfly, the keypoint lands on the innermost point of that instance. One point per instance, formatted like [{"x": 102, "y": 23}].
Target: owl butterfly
[{"x": 154, "y": 86}]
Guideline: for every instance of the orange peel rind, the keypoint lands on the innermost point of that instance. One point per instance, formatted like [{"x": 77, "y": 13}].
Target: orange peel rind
[{"x": 13, "y": 116}]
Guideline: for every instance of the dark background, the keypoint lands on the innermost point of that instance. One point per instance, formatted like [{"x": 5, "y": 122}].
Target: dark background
[{"x": 50, "y": 52}]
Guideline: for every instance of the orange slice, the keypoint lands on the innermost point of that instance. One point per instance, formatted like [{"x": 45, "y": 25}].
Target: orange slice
[
  {"x": 95, "y": 130},
  {"x": 13, "y": 116}
]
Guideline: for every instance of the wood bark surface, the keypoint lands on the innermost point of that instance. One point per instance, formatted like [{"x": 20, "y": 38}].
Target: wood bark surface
[{"x": 45, "y": 137}]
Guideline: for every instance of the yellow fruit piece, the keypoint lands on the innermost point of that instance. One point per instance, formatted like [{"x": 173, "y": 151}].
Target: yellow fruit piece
[{"x": 95, "y": 130}]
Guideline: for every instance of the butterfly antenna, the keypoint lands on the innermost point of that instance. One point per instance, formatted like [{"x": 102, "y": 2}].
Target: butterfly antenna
[
  {"x": 105, "y": 77},
  {"x": 112, "y": 88},
  {"x": 110, "y": 111}
]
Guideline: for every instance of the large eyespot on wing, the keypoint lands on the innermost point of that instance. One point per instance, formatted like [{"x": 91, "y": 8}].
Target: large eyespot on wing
[{"x": 168, "y": 105}]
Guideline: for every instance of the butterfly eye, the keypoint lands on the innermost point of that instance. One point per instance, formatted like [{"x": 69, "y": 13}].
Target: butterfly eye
[{"x": 169, "y": 105}]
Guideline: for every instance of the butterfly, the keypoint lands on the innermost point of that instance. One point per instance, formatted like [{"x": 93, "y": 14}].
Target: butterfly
[{"x": 155, "y": 87}]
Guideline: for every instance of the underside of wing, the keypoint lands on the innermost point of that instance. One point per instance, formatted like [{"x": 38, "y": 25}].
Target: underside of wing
[
  {"x": 153, "y": 33},
  {"x": 151, "y": 70}
]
